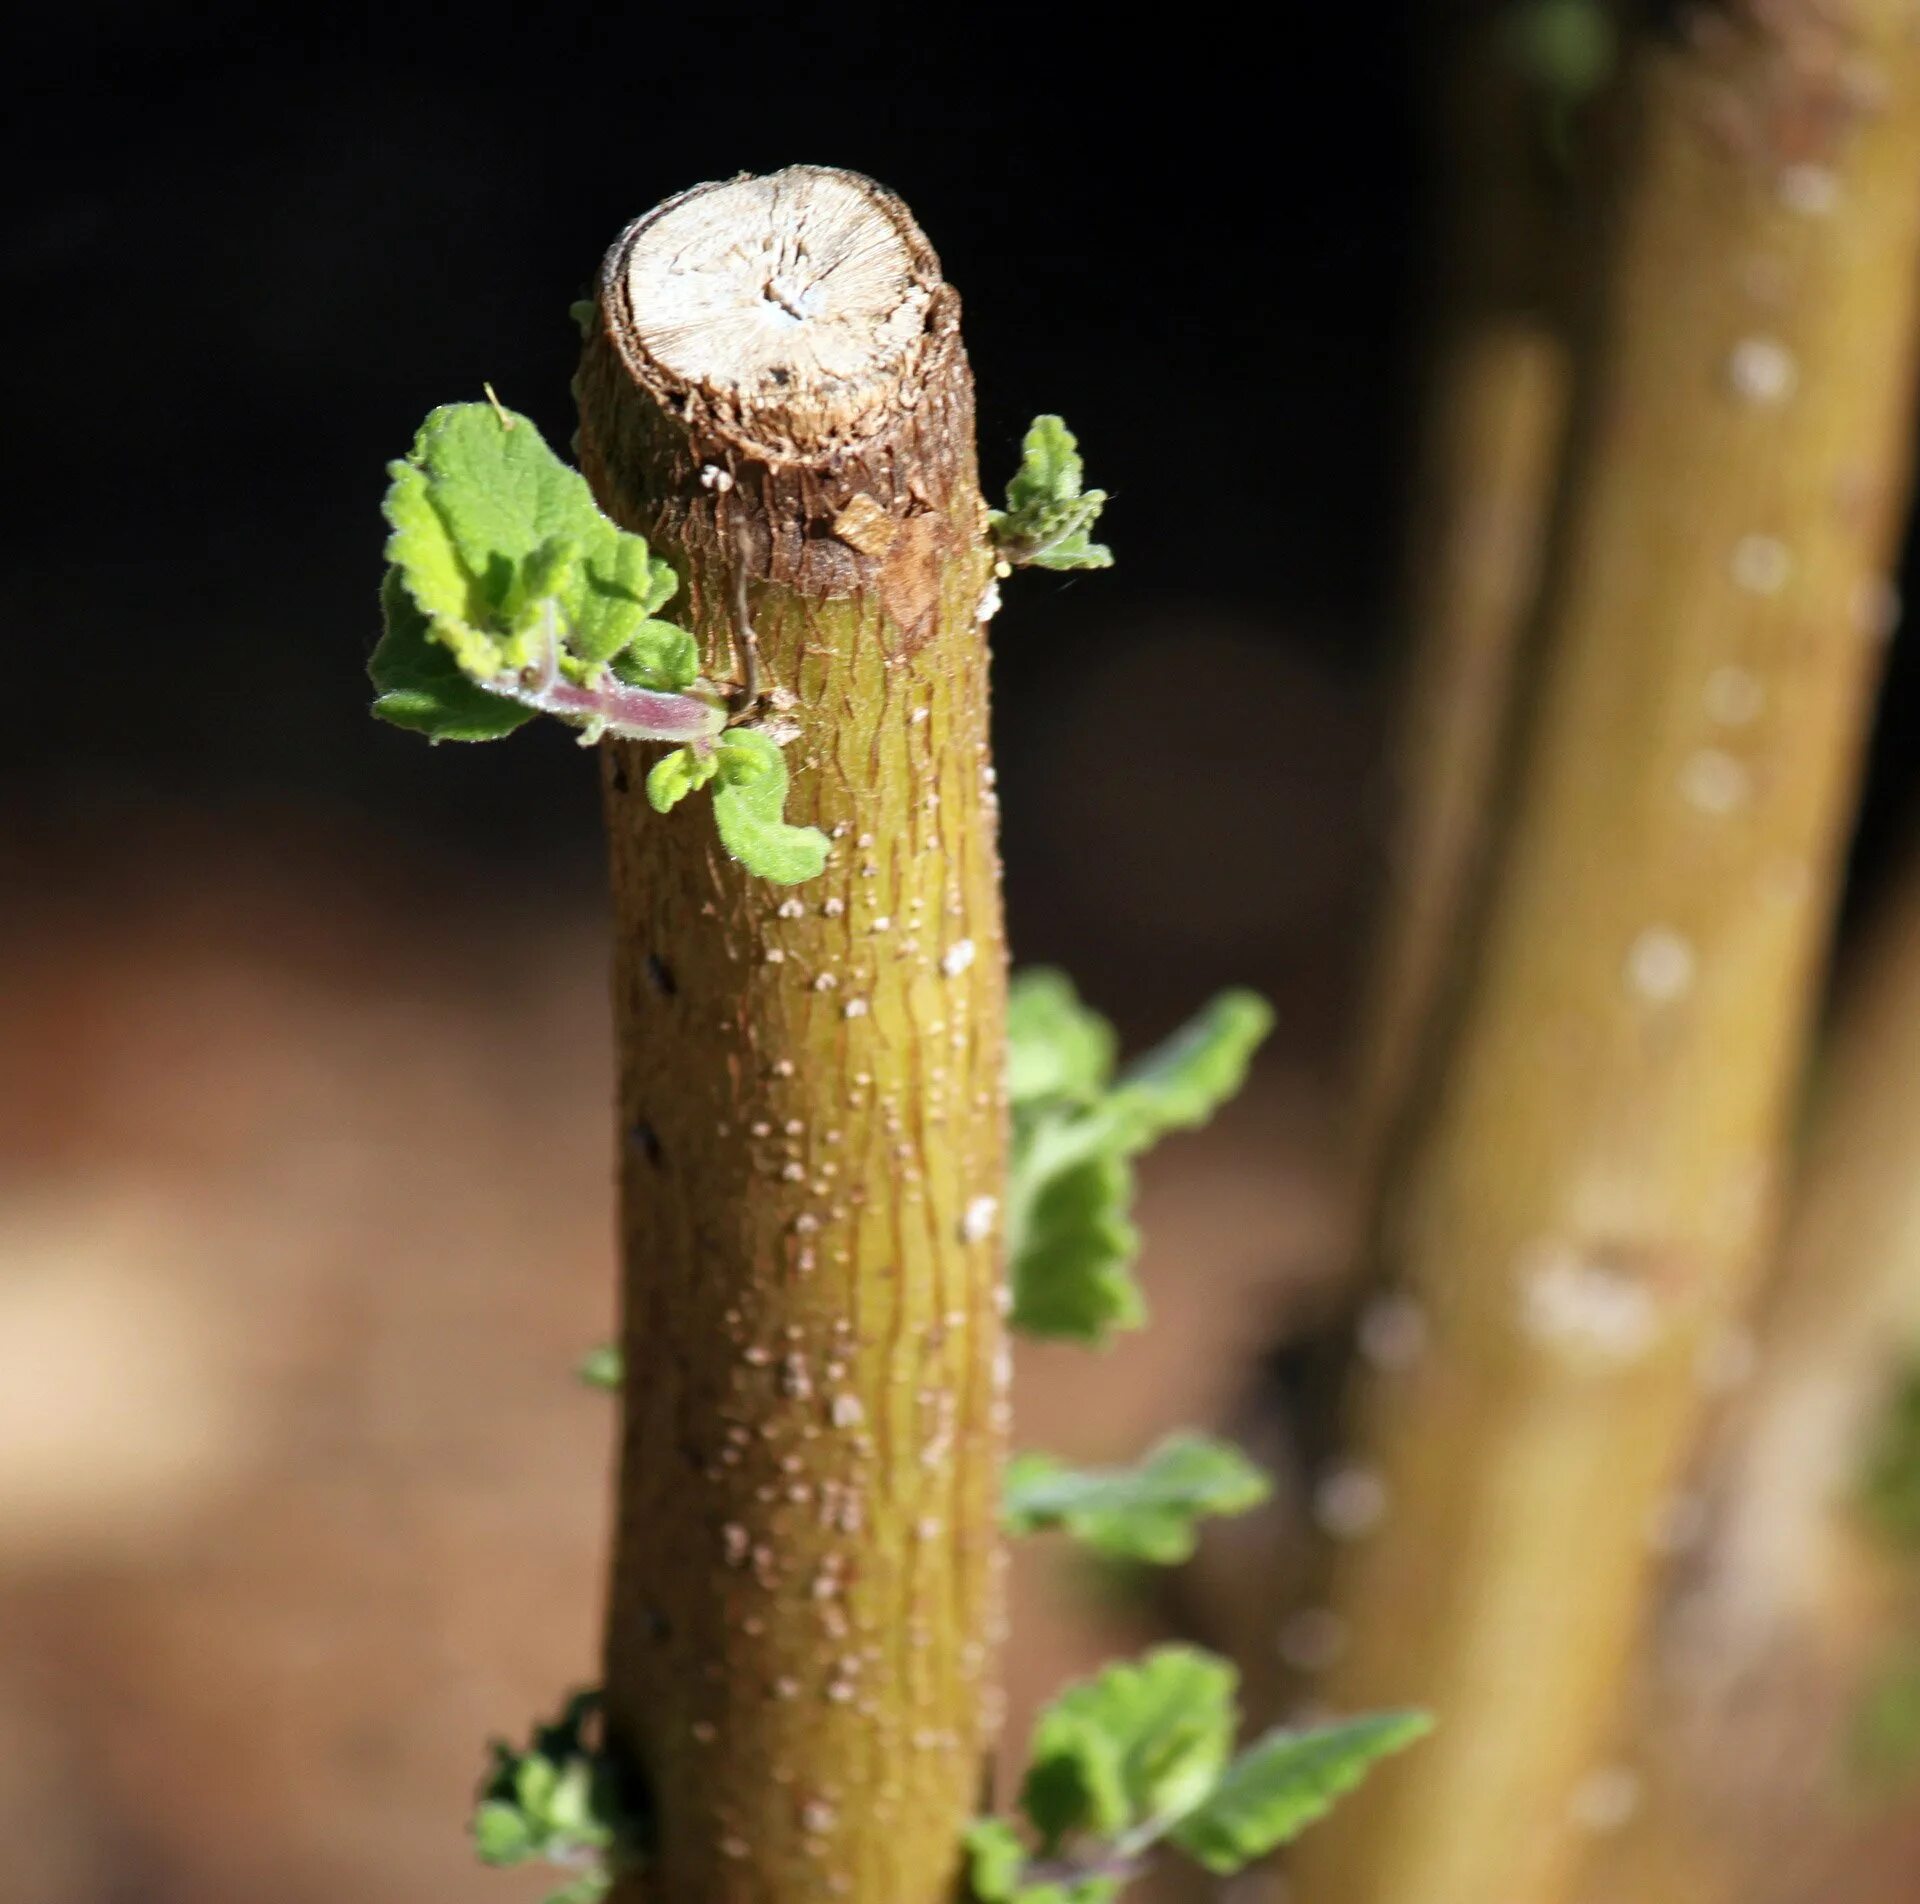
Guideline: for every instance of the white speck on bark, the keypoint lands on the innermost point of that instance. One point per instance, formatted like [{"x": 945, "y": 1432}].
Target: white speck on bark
[
  {"x": 1349, "y": 1502},
  {"x": 1762, "y": 370},
  {"x": 1605, "y": 1800},
  {"x": 1571, "y": 1303},
  {"x": 976, "y": 1224},
  {"x": 1761, "y": 564},
  {"x": 1811, "y": 190},
  {"x": 1660, "y": 965},
  {"x": 1715, "y": 782},
  {"x": 1735, "y": 696}
]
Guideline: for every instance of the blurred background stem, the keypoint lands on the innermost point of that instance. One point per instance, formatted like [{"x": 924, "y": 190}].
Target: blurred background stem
[
  {"x": 1496, "y": 394},
  {"x": 1790, "y": 1603},
  {"x": 1582, "y": 1197}
]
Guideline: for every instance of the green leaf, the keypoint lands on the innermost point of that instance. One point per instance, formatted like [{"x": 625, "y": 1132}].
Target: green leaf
[
  {"x": 998, "y": 1872},
  {"x": 995, "y": 1860},
  {"x": 559, "y": 1799},
  {"x": 588, "y": 1888},
  {"x": 1050, "y": 467},
  {"x": 1048, "y": 518},
  {"x": 1286, "y": 1781},
  {"x": 1148, "y": 1512},
  {"x": 601, "y": 1367},
  {"x": 1140, "y": 1755},
  {"x": 420, "y": 685},
  {"x": 520, "y": 580},
  {"x": 1071, "y": 1242},
  {"x": 1056, "y": 1046},
  {"x": 534, "y": 1779},
  {"x": 501, "y": 1834},
  {"x": 474, "y": 503},
  {"x": 749, "y": 805},
  {"x": 1073, "y": 1248},
  {"x": 570, "y": 1807},
  {"x": 1134, "y": 1746},
  {"x": 673, "y": 776},
  {"x": 1181, "y": 1083},
  {"x": 659, "y": 656}
]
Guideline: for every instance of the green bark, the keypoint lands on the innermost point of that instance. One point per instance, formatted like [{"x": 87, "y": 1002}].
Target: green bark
[{"x": 806, "y": 1600}]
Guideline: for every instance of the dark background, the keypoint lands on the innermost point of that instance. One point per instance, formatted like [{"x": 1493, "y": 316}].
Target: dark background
[
  {"x": 253, "y": 251},
  {"x": 251, "y": 246}
]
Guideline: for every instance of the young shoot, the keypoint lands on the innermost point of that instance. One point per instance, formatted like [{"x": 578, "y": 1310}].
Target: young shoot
[{"x": 510, "y": 595}]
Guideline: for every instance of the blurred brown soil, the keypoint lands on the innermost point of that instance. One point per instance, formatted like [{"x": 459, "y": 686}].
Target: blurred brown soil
[{"x": 304, "y": 1217}]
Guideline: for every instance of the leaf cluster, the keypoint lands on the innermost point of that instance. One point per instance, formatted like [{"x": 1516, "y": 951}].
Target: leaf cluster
[
  {"x": 558, "y": 1800},
  {"x": 1142, "y": 1756},
  {"x": 748, "y": 774},
  {"x": 495, "y": 544},
  {"x": 1049, "y": 517},
  {"x": 1077, "y": 1128},
  {"x": 508, "y": 594}
]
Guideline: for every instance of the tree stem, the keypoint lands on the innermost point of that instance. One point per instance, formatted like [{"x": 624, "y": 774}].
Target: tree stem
[
  {"x": 1585, "y": 1190},
  {"x": 1495, "y": 415},
  {"x": 806, "y": 1600},
  {"x": 1776, "y": 1623}
]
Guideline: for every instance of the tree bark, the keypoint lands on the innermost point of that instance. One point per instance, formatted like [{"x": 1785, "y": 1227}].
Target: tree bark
[
  {"x": 1495, "y": 414},
  {"x": 1585, "y": 1193},
  {"x": 1492, "y": 423},
  {"x": 805, "y": 1599},
  {"x": 1774, "y": 1625}
]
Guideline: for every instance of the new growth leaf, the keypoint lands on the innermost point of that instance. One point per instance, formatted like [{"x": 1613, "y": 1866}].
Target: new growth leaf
[
  {"x": 1149, "y": 1512},
  {"x": 1282, "y": 1784},
  {"x": 1049, "y": 517},
  {"x": 749, "y": 797},
  {"x": 513, "y": 575},
  {"x": 1142, "y": 1755},
  {"x": 509, "y": 594},
  {"x": 1120, "y": 1756},
  {"x": 1076, "y": 1130},
  {"x": 559, "y": 1801},
  {"x": 601, "y": 1367}
]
